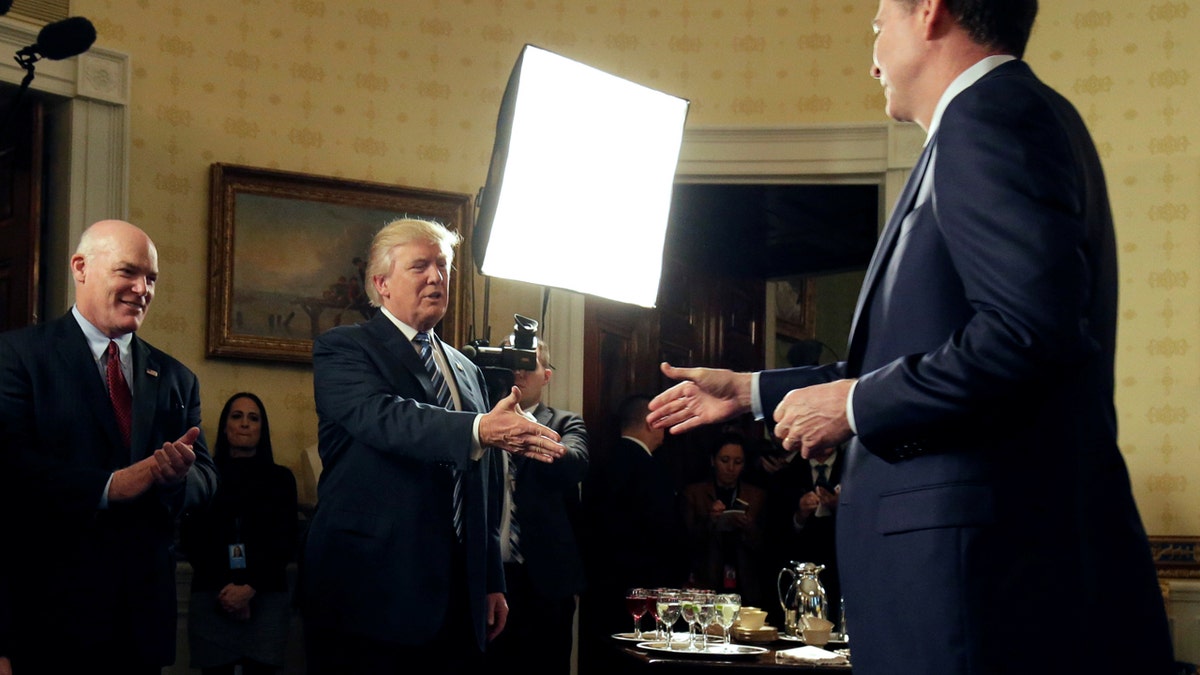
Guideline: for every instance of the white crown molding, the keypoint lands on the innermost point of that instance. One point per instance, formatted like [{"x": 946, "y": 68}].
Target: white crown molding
[{"x": 828, "y": 152}]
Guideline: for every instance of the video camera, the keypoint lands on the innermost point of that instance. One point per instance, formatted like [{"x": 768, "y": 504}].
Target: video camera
[{"x": 498, "y": 363}]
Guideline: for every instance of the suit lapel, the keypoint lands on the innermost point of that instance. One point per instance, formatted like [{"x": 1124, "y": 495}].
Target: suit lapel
[
  {"x": 79, "y": 365},
  {"x": 470, "y": 398},
  {"x": 400, "y": 354},
  {"x": 146, "y": 382},
  {"x": 887, "y": 242}
]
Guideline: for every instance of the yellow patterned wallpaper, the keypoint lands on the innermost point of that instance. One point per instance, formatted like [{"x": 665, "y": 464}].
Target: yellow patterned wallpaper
[{"x": 407, "y": 91}]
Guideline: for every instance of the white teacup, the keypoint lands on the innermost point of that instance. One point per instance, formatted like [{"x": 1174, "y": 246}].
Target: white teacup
[{"x": 751, "y": 618}]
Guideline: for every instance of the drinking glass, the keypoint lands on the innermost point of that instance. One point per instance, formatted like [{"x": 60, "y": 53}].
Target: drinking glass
[
  {"x": 652, "y": 607},
  {"x": 727, "y": 606},
  {"x": 688, "y": 609},
  {"x": 704, "y": 616},
  {"x": 635, "y": 602},
  {"x": 668, "y": 611}
]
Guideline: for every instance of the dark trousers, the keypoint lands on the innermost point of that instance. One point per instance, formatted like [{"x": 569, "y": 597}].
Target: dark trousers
[
  {"x": 452, "y": 651},
  {"x": 537, "y": 636}
]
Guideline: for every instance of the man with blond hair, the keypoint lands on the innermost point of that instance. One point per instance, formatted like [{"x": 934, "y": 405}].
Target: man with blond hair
[{"x": 402, "y": 563}]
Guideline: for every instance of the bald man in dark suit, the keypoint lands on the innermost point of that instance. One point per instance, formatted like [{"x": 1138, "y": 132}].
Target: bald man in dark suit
[{"x": 104, "y": 452}]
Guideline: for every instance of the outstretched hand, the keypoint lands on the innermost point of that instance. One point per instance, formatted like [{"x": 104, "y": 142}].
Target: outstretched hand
[
  {"x": 704, "y": 396},
  {"x": 506, "y": 427}
]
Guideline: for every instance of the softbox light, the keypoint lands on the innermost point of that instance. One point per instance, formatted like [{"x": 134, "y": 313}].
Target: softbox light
[{"x": 579, "y": 188}]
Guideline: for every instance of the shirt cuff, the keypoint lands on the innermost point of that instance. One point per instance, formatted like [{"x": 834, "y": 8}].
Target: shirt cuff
[
  {"x": 476, "y": 447},
  {"x": 850, "y": 408},
  {"x": 755, "y": 401},
  {"x": 104, "y": 495}
]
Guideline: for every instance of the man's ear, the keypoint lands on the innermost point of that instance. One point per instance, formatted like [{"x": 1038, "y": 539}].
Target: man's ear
[
  {"x": 78, "y": 264},
  {"x": 936, "y": 18}
]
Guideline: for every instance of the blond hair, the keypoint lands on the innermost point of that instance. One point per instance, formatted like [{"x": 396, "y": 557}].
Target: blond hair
[{"x": 398, "y": 233}]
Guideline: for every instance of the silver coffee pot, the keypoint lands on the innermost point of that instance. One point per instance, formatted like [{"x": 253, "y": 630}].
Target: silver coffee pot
[{"x": 801, "y": 594}]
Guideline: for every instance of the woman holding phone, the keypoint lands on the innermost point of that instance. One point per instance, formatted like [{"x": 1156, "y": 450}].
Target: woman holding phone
[{"x": 724, "y": 519}]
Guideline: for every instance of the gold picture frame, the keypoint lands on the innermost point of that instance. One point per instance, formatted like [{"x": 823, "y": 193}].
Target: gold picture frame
[
  {"x": 1176, "y": 557},
  {"x": 287, "y": 255}
]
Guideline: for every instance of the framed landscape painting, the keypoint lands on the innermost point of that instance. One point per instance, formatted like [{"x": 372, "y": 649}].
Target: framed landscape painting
[{"x": 287, "y": 257}]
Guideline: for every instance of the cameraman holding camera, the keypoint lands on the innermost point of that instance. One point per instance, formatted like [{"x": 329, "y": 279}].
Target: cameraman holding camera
[{"x": 542, "y": 563}]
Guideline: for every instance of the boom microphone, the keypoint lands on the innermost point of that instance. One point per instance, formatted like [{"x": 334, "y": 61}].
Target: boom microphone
[{"x": 62, "y": 39}]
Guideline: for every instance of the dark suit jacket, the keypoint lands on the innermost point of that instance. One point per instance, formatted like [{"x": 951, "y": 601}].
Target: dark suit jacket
[
  {"x": 548, "y": 507},
  {"x": 377, "y": 561},
  {"x": 96, "y": 580},
  {"x": 984, "y": 336},
  {"x": 635, "y": 532}
]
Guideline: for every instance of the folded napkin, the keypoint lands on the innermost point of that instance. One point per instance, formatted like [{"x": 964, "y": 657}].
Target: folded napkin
[{"x": 809, "y": 654}]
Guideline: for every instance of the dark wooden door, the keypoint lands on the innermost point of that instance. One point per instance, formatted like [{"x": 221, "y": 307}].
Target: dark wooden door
[
  {"x": 20, "y": 212},
  {"x": 703, "y": 317}
]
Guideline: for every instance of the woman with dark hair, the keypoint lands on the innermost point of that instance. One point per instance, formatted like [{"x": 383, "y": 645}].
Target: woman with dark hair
[
  {"x": 724, "y": 518},
  {"x": 239, "y": 548}
]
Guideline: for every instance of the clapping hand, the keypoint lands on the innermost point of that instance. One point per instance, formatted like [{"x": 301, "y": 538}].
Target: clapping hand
[
  {"x": 169, "y": 464},
  {"x": 173, "y": 460}
]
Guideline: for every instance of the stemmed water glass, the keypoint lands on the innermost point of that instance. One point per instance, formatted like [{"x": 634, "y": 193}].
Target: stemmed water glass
[
  {"x": 727, "y": 606},
  {"x": 636, "y": 602},
  {"x": 689, "y": 608},
  {"x": 704, "y": 616},
  {"x": 668, "y": 606},
  {"x": 652, "y": 607}
]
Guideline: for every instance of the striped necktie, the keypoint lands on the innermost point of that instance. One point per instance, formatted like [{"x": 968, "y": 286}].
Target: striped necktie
[{"x": 442, "y": 389}]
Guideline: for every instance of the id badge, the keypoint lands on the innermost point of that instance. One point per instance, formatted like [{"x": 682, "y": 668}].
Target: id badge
[{"x": 237, "y": 556}]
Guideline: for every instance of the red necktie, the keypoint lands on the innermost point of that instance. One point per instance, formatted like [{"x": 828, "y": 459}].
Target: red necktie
[{"x": 118, "y": 391}]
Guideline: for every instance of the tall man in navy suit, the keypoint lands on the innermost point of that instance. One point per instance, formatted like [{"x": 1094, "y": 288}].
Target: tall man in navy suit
[
  {"x": 402, "y": 563},
  {"x": 105, "y": 451},
  {"x": 984, "y": 499}
]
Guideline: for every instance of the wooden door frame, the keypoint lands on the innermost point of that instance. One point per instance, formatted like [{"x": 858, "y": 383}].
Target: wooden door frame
[{"x": 88, "y": 141}]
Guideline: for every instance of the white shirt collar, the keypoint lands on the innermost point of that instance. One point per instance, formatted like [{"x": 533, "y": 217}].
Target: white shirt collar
[
  {"x": 98, "y": 341},
  {"x": 644, "y": 446},
  {"x": 965, "y": 79},
  {"x": 409, "y": 331}
]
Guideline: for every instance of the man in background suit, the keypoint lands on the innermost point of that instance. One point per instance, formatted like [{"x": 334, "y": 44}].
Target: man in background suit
[
  {"x": 802, "y": 500},
  {"x": 984, "y": 336},
  {"x": 543, "y": 567},
  {"x": 635, "y": 533},
  {"x": 402, "y": 562},
  {"x": 105, "y": 451}
]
